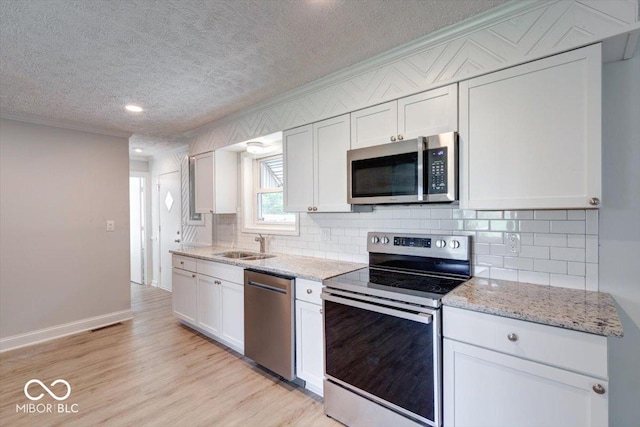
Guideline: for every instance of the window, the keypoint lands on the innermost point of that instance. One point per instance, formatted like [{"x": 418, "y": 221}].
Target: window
[{"x": 263, "y": 198}]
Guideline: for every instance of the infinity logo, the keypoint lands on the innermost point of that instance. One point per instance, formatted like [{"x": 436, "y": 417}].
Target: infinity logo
[{"x": 52, "y": 394}]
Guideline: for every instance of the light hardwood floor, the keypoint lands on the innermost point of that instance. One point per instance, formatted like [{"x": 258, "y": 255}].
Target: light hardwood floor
[{"x": 151, "y": 371}]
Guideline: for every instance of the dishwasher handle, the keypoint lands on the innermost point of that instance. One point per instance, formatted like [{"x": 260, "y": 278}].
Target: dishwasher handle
[{"x": 267, "y": 287}]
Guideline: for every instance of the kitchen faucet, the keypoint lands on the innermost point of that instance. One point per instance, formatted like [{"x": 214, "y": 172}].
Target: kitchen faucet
[{"x": 261, "y": 240}]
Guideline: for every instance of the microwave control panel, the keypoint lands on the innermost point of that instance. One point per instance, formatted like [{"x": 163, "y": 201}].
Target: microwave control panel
[{"x": 436, "y": 176}]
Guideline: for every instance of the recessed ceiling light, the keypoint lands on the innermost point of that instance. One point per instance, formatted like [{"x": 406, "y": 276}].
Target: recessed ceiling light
[
  {"x": 133, "y": 108},
  {"x": 138, "y": 150},
  {"x": 254, "y": 147}
]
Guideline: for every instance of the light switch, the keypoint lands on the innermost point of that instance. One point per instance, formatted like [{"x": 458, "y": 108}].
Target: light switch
[
  {"x": 111, "y": 225},
  {"x": 326, "y": 234}
]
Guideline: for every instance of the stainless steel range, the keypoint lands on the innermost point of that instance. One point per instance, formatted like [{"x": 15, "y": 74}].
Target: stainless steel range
[{"x": 383, "y": 330}]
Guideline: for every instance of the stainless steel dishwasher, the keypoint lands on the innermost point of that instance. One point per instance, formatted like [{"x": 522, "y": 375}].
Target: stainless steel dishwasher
[{"x": 268, "y": 322}]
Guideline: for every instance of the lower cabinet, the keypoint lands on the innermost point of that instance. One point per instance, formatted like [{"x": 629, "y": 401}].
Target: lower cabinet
[
  {"x": 521, "y": 382},
  {"x": 211, "y": 304},
  {"x": 309, "y": 337}
]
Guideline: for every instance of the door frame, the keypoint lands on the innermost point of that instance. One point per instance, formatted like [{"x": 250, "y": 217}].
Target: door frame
[{"x": 147, "y": 259}]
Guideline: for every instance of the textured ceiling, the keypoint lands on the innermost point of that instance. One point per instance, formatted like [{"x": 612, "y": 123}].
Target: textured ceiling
[{"x": 190, "y": 62}]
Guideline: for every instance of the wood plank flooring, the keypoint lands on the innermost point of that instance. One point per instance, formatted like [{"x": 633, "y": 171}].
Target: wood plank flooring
[{"x": 151, "y": 371}]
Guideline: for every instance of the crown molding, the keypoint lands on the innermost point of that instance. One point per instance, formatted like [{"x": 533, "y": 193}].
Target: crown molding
[
  {"x": 461, "y": 29},
  {"x": 64, "y": 125}
]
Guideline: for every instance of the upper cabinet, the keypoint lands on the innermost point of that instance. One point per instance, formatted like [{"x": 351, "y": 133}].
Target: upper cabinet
[
  {"x": 315, "y": 158},
  {"x": 530, "y": 136},
  {"x": 423, "y": 114},
  {"x": 216, "y": 182}
]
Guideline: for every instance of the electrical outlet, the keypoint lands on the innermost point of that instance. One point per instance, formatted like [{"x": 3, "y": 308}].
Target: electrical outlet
[
  {"x": 326, "y": 234},
  {"x": 512, "y": 243},
  {"x": 111, "y": 225}
]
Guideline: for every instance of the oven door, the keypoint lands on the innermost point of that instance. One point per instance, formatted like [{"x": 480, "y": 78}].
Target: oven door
[
  {"x": 388, "y": 173},
  {"x": 386, "y": 354}
]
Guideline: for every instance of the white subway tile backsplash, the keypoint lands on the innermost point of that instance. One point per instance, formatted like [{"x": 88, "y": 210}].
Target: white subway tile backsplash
[
  {"x": 489, "y": 214},
  {"x": 558, "y": 247},
  {"x": 566, "y": 281},
  {"x": 476, "y": 224},
  {"x": 550, "y": 214},
  {"x": 518, "y": 215},
  {"x": 533, "y": 277},
  {"x": 539, "y": 252},
  {"x": 576, "y": 268},
  {"x": 550, "y": 266},
  {"x": 568, "y": 254},
  {"x": 547, "y": 239},
  {"x": 569, "y": 227},
  {"x": 534, "y": 226}
]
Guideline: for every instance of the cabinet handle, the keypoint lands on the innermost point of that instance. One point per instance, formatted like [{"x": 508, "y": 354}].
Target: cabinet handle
[
  {"x": 217, "y": 282},
  {"x": 513, "y": 337},
  {"x": 598, "y": 388},
  {"x": 193, "y": 275},
  {"x": 181, "y": 262},
  {"x": 393, "y": 139},
  {"x": 309, "y": 208},
  {"x": 315, "y": 208},
  {"x": 309, "y": 291},
  {"x": 594, "y": 201},
  {"x": 400, "y": 137}
]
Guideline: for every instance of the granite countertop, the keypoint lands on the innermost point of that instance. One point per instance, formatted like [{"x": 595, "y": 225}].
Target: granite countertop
[
  {"x": 583, "y": 311},
  {"x": 291, "y": 265}
]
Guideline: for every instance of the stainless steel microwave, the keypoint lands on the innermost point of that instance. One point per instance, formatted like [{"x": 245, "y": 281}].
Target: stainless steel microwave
[{"x": 420, "y": 170}]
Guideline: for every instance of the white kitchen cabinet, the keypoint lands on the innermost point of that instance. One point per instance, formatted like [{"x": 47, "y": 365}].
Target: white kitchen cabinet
[
  {"x": 209, "y": 303},
  {"x": 216, "y": 182},
  {"x": 184, "y": 295},
  {"x": 530, "y": 135},
  {"x": 315, "y": 159},
  {"x": 423, "y": 114},
  {"x": 232, "y": 311},
  {"x": 309, "y": 336},
  {"x": 210, "y": 298},
  {"x": 535, "y": 375}
]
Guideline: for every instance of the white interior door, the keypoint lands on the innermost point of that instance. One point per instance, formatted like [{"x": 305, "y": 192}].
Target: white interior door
[
  {"x": 136, "y": 209},
  {"x": 170, "y": 230}
]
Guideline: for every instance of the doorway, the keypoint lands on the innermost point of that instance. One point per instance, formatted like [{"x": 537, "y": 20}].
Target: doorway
[
  {"x": 170, "y": 223},
  {"x": 138, "y": 219}
]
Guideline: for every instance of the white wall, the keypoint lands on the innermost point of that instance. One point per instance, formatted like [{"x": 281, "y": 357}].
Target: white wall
[
  {"x": 138, "y": 165},
  {"x": 620, "y": 231},
  {"x": 59, "y": 265}
]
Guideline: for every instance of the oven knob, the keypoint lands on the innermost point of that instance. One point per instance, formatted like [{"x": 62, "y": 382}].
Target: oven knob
[
  {"x": 440, "y": 243},
  {"x": 385, "y": 240},
  {"x": 454, "y": 244},
  {"x": 375, "y": 240}
]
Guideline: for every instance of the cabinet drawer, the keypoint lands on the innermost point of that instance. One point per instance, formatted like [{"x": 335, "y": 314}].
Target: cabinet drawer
[
  {"x": 576, "y": 351},
  {"x": 183, "y": 263},
  {"x": 222, "y": 271},
  {"x": 309, "y": 291}
]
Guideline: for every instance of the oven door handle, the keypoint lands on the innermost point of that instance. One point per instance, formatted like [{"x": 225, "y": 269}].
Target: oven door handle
[{"x": 416, "y": 317}]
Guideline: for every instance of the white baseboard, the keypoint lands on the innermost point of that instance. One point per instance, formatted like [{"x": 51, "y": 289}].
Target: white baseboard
[
  {"x": 154, "y": 283},
  {"x": 47, "y": 334}
]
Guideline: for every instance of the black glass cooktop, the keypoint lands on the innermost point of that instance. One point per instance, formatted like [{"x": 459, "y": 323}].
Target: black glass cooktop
[{"x": 411, "y": 287}]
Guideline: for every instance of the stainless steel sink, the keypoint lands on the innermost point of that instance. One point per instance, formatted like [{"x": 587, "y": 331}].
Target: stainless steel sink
[{"x": 243, "y": 255}]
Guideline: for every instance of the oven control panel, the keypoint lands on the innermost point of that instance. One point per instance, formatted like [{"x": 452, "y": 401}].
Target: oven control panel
[{"x": 427, "y": 245}]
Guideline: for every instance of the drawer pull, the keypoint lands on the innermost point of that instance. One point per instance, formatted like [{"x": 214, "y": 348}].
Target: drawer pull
[
  {"x": 513, "y": 337},
  {"x": 217, "y": 282},
  {"x": 193, "y": 275},
  {"x": 598, "y": 388},
  {"x": 309, "y": 291},
  {"x": 181, "y": 262}
]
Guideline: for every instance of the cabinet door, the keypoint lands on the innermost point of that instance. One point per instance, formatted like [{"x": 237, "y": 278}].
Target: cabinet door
[
  {"x": 298, "y": 169},
  {"x": 429, "y": 113},
  {"x": 332, "y": 140},
  {"x": 374, "y": 125},
  {"x": 233, "y": 315},
  {"x": 209, "y": 304},
  {"x": 487, "y": 388},
  {"x": 203, "y": 182},
  {"x": 530, "y": 136},
  {"x": 225, "y": 193},
  {"x": 184, "y": 295},
  {"x": 309, "y": 345}
]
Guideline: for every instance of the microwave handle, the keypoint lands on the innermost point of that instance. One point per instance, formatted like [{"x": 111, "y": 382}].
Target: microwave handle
[
  {"x": 421, "y": 148},
  {"x": 416, "y": 317}
]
